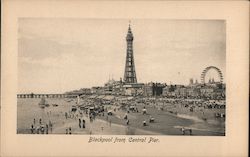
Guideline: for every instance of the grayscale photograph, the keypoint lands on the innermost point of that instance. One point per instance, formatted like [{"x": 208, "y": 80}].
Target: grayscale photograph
[{"x": 121, "y": 76}]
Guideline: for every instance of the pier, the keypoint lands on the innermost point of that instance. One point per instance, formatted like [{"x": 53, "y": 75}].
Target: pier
[{"x": 32, "y": 95}]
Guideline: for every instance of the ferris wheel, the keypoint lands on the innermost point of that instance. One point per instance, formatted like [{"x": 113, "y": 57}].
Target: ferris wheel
[{"x": 204, "y": 72}]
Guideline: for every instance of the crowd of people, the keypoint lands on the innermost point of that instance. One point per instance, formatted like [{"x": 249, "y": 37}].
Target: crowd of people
[
  {"x": 92, "y": 108},
  {"x": 39, "y": 127}
]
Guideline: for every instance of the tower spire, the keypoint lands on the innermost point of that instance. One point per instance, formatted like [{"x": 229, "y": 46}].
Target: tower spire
[{"x": 129, "y": 29}]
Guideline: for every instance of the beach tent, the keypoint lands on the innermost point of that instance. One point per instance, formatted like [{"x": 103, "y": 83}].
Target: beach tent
[
  {"x": 92, "y": 96},
  {"x": 100, "y": 96},
  {"x": 109, "y": 97},
  {"x": 130, "y": 98}
]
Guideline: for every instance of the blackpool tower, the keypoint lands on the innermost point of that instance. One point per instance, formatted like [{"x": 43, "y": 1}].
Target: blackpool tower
[{"x": 129, "y": 74}]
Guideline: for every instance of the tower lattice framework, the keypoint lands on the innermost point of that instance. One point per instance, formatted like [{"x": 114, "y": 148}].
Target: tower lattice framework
[{"x": 129, "y": 74}]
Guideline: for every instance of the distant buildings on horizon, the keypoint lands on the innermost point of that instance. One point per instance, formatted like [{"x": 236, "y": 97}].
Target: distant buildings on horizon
[{"x": 210, "y": 90}]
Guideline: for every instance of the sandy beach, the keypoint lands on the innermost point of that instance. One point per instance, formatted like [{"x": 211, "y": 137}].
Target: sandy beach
[{"x": 167, "y": 122}]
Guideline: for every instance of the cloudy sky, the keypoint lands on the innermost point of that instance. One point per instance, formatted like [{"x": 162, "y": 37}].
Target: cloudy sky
[{"x": 57, "y": 55}]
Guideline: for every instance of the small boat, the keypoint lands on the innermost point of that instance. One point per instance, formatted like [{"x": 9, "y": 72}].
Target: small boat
[
  {"x": 43, "y": 103},
  {"x": 54, "y": 105}
]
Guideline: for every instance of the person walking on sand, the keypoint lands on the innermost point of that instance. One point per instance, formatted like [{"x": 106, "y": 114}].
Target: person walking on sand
[
  {"x": 183, "y": 131},
  {"x": 47, "y": 129},
  {"x": 90, "y": 118},
  {"x": 144, "y": 110},
  {"x": 69, "y": 130},
  {"x": 66, "y": 115},
  {"x": 80, "y": 123},
  {"x": 127, "y": 122},
  {"x": 126, "y": 116},
  {"x": 32, "y": 129},
  {"x": 83, "y": 123},
  {"x": 34, "y": 121},
  {"x": 50, "y": 125}
]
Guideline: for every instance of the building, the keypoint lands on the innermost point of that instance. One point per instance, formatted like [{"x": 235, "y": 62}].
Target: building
[
  {"x": 179, "y": 90},
  {"x": 193, "y": 91},
  {"x": 169, "y": 91},
  {"x": 82, "y": 91},
  {"x": 134, "y": 89},
  {"x": 166, "y": 91},
  {"x": 191, "y": 81},
  {"x": 85, "y": 90},
  {"x": 113, "y": 87},
  {"x": 97, "y": 90},
  {"x": 153, "y": 89}
]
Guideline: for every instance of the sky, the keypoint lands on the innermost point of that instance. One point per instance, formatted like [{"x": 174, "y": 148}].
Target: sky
[{"x": 56, "y": 55}]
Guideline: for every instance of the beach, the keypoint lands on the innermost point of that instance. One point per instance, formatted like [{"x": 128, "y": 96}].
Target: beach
[{"x": 168, "y": 119}]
